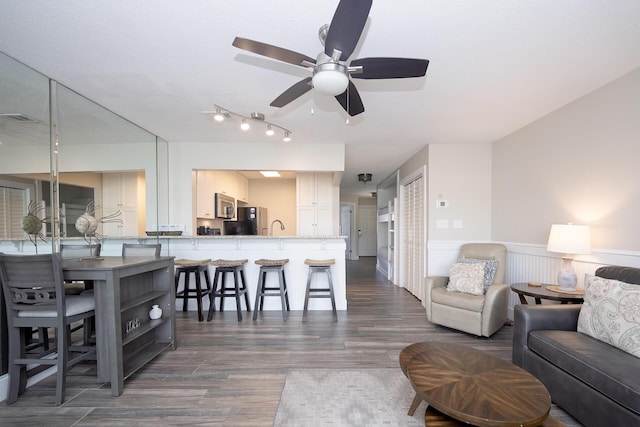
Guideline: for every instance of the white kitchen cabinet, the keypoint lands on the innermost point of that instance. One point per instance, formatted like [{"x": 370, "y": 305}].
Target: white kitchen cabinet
[
  {"x": 315, "y": 188},
  {"x": 242, "y": 192},
  {"x": 224, "y": 182},
  {"x": 209, "y": 182},
  {"x": 121, "y": 192},
  {"x": 127, "y": 226},
  {"x": 315, "y": 204},
  {"x": 205, "y": 203}
]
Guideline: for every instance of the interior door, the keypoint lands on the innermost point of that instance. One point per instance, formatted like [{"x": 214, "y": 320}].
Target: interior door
[
  {"x": 367, "y": 230},
  {"x": 346, "y": 224}
]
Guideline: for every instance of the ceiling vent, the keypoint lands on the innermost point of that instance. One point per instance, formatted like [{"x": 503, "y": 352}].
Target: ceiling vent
[{"x": 18, "y": 117}]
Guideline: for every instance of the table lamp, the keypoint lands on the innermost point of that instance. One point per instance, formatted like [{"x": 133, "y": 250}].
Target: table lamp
[{"x": 570, "y": 240}]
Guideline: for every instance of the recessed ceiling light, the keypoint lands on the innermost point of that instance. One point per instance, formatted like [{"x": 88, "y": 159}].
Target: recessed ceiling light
[{"x": 270, "y": 174}]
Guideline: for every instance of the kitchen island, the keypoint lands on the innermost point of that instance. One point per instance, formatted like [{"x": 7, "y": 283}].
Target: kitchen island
[{"x": 294, "y": 248}]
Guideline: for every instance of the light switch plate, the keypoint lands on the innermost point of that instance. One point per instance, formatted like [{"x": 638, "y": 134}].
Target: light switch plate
[
  {"x": 442, "y": 223},
  {"x": 457, "y": 223}
]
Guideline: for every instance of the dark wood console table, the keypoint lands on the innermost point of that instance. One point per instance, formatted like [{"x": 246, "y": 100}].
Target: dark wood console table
[{"x": 125, "y": 289}]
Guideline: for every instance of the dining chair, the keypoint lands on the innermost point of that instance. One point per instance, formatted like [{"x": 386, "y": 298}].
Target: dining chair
[
  {"x": 80, "y": 252},
  {"x": 70, "y": 251},
  {"x": 33, "y": 286},
  {"x": 140, "y": 249}
]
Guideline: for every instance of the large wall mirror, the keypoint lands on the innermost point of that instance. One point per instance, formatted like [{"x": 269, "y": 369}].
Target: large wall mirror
[{"x": 61, "y": 153}]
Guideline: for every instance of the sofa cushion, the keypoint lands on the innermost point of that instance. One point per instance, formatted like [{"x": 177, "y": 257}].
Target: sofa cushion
[
  {"x": 612, "y": 371},
  {"x": 460, "y": 300},
  {"x": 611, "y": 313},
  {"x": 467, "y": 278}
]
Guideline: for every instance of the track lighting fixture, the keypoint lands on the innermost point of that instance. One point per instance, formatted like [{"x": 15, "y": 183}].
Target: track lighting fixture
[
  {"x": 220, "y": 114},
  {"x": 218, "y": 117}
]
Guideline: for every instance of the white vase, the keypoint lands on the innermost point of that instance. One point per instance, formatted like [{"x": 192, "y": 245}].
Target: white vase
[{"x": 155, "y": 312}]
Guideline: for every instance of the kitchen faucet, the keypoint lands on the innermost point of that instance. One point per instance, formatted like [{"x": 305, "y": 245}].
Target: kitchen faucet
[{"x": 271, "y": 226}]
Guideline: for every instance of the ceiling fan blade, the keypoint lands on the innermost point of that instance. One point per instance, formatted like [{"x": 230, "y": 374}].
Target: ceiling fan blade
[
  {"x": 346, "y": 27},
  {"x": 293, "y": 93},
  {"x": 274, "y": 52},
  {"x": 351, "y": 95},
  {"x": 389, "y": 68}
]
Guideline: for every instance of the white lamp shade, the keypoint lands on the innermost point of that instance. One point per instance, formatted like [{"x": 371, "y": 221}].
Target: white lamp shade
[{"x": 569, "y": 239}]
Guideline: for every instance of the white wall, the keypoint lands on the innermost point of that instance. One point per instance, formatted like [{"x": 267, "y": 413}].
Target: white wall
[
  {"x": 578, "y": 164},
  {"x": 279, "y": 197},
  {"x": 461, "y": 174}
]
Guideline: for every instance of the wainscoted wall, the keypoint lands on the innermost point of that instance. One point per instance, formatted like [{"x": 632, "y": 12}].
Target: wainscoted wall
[{"x": 527, "y": 262}]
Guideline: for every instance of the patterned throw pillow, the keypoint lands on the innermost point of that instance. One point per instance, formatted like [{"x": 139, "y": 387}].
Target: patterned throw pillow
[
  {"x": 611, "y": 313},
  {"x": 467, "y": 278},
  {"x": 490, "y": 268}
]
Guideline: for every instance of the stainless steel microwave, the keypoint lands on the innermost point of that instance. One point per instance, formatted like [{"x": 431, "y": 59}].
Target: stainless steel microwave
[{"x": 225, "y": 206}]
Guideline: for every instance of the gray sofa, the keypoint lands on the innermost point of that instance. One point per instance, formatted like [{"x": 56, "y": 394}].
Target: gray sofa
[{"x": 597, "y": 383}]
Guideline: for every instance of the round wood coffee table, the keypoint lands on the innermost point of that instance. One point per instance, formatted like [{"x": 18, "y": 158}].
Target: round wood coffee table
[{"x": 473, "y": 386}]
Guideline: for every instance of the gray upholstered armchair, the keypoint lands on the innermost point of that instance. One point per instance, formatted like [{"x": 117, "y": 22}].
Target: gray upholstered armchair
[{"x": 481, "y": 315}]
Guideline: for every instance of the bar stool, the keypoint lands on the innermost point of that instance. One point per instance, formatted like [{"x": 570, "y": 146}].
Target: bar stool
[
  {"x": 276, "y": 266},
  {"x": 319, "y": 266},
  {"x": 239, "y": 288},
  {"x": 199, "y": 269}
]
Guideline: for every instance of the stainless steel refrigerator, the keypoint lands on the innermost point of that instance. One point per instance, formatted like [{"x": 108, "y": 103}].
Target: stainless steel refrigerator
[{"x": 251, "y": 221}]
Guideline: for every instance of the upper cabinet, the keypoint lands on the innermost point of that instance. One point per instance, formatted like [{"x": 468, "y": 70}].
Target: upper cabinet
[
  {"x": 315, "y": 203},
  {"x": 209, "y": 182},
  {"x": 204, "y": 195},
  {"x": 123, "y": 197},
  {"x": 315, "y": 188},
  {"x": 242, "y": 188}
]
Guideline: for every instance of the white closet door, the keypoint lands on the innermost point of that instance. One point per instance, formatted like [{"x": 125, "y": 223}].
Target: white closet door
[{"x": 413, "y": 239}]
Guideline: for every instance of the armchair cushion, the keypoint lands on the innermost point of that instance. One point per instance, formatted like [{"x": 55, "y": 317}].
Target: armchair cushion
[
  {"x": 467, "y": 278},
  {"x": 460, "y": 300}
]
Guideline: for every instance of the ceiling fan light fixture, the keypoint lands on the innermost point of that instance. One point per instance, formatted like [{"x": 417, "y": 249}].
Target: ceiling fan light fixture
[
  {"x": 244, "y": 125},
  {"x": 287, "y": 137},
  {"x": 270, "y": 131},
  {"x": 330, "y": 78}
]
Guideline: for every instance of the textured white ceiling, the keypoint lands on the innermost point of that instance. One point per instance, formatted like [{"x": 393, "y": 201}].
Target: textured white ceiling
[{"x": 496, "y": 65}]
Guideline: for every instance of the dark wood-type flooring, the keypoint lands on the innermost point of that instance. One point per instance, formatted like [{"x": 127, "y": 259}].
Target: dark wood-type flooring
[{"x": 227, "y": 372}]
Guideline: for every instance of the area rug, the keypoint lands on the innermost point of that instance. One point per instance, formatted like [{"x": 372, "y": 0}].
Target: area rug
[{"x": 364, "y": 397}]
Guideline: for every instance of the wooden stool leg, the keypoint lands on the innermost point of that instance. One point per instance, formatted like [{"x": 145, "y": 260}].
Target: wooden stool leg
[
  {"x": 185, "y": 294},
  {"x": 284, "y": 298},
  {"x": 306, "y": 295},
  {"x": 333, "y": 298},
  {"x": 259, "y": 294},
  {"x": 198, "y": 294},
  {"x": 212, "y": 296},
  {"x": 286, "y": 291},
  {"x": 236, "y": 282},
  {"x": 245, "y": 291}
]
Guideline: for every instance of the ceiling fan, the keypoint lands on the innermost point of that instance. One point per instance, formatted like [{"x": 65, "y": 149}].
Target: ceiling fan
[{"x": 331, "y": 70}]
